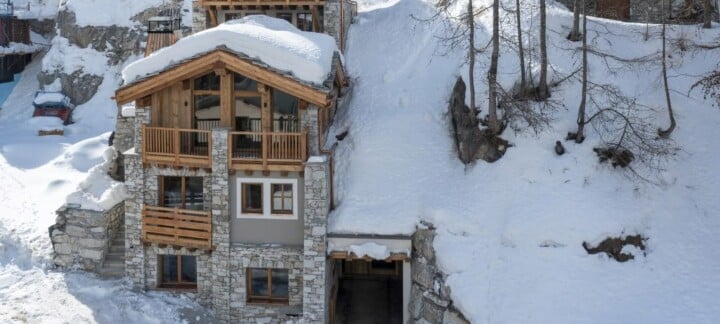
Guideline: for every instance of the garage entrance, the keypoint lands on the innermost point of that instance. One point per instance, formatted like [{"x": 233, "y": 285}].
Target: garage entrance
[{"x": 368, "y": 292}]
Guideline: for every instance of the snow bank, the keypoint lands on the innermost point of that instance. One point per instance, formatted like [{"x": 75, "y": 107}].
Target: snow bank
[
  {"x": 98, "y": 191},
  {"x": 109, "y": 12},
  {"x": 67, "y": 57},
  {"x": 275, "y": 42}
]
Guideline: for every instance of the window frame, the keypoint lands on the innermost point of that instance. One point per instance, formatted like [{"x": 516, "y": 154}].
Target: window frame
[
  {"x": 179, "y": 284},
  {"x": 282, "y": 199},
  {"x": 183, "y": 191},
  {"x": 244, "y": 209},
  {"x": 267, "y": 210},
  {"x": 269, "y": 299}
]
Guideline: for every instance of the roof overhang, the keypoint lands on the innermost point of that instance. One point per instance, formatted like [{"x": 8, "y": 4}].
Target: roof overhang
[{"x": 221, "y": 57}]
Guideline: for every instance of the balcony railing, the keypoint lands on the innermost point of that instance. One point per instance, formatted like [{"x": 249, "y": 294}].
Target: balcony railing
[
  {"x": 267, "y": 149},
  {"x": 259, "y": 2},
  {"x": 176, "y": 147},
  {"x": 178, "y": 227}
]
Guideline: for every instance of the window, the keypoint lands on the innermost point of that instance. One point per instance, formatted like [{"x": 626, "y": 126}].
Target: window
[
  {"x": 282, "y": 198},
  {"x": 304, "y": 22},
  {"x": 252, "y": 201},
  {"x": 182, "y": 192},
  {"x": 267, "y": 285},
  {"x": 267, "y": 198},
  {"x": 287, "y": 16},
  {"x": 177, "y": 271},
  {"x": 233, "y": 15}
]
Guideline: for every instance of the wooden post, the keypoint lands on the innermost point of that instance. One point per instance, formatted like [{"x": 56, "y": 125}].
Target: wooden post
[
  {"x": 226, "y": 98},
  {"x": 267, "y": 119},
  {"x": 176, "y": 138}
]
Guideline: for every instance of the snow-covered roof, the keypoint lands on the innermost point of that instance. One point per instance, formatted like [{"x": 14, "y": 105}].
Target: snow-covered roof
[
  {"x": 307, "y": 56},
  {"x": 51, "y": 98}
]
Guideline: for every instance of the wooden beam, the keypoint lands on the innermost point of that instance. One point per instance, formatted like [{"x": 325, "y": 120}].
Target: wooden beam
[
  {"x": 316, "y": 19},
  {"x": 276, "y": 80},
  {"x": 212, "y": 12},
  {"x": 162, "y": 80},
  {"x": 344, "y": 255},
  {"x": 227, "y": 115}
]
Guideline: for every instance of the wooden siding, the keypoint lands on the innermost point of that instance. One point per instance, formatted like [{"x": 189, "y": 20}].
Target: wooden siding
[{"x": 177, "y": 227}]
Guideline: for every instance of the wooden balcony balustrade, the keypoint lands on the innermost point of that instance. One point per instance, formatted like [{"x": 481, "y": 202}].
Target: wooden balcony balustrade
[
  {"x": 207, "y": 3},
  {"x": 178, "y": 227},
  {"x": 277, "y": 151},
  {"x": 176, "y": 147}
]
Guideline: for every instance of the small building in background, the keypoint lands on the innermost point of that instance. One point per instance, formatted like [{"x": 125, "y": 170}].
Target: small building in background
[{"x": 15, "y": 45}]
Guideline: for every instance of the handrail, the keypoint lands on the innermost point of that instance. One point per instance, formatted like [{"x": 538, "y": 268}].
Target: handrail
[
  {"x": 268, "y": 147},
  {"x": 177, "y": 146}
]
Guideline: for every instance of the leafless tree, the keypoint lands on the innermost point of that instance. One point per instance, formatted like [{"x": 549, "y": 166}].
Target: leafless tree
[
  {"x": 543, "y": 91},
  {"x": 665, "y": 133},
  {"x": 521, "y": 51},
  {"x": 493, "y": 122},
  {"x": 580, "y": 135},
  {"x": 575, "y": 32},
  {"x": 707, "y": 14},
  {"x": 471, "y": 54},
  {"x": 710, "y": 85}
]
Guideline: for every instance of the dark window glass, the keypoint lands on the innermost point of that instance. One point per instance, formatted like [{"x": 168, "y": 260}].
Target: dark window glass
[
  {"x": 243, "y": 83},
  {"x": 177, "y": 271},
  {"x": 252, "y": 197},
  {"x": 282, "y": 198},
  {"x": 210, "y": 81},
  {"x": 285, "y": 112},
  {"x": 287, "y": 16},
  {"x": 233, "y": 15},
  {"x": 304, "y": 21},
  {"x": 183, "y": 192},
  {"x": 268, "y": 285},
  {"x": 169, "y": 269},
  {"x": 189, "y": 269}
]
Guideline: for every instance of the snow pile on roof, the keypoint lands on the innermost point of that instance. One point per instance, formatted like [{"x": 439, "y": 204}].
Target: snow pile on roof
[
  {"x": 373, "y": 250},
  {"x": 20, "y": 48},
  {"x": 128, "y": 109},
  {"x": 98, "y": 191},
  {"x": 50, "y": 97},
  {"x": 46, "y": 123},
  {"x": 275, "y": 42}
]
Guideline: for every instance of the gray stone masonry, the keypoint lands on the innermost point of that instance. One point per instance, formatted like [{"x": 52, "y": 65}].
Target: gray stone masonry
[
  {"x": 332, "y": 23},
  {"x": 309, "y": 122},
  {"x": 199, "y": 17},
  {"x": 246, "y": 256},
  {"x": 204, "y": 282},
  {"x": 317, "y": 207},
  {"x": 124, "y": 133},
  {"x": 81, "y": 237},
  {"x": 134, "y": 254},
  {"x": 430, "y": 300},
  {"x": 220, "y": 195}
]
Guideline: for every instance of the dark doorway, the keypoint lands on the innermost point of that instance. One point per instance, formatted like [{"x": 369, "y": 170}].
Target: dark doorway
[{"x": 369, "y": 292}]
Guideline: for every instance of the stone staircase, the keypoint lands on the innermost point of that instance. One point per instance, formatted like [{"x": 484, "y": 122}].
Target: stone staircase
[{"x": 114, "y": 264}]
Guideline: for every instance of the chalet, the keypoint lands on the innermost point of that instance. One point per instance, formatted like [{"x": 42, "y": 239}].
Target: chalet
[
  {"x": 227, "y": 182},
  {"x": 332, "y": 17},
  {"x": 15, "y": 46}
]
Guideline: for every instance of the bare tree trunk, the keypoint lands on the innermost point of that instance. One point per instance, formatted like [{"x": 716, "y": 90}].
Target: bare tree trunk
[
  {"x": 521, "y": 52},
  {"x": 580, "y": 136},
  {"x": 575, "y": 32},
  {"x": 542, "y": 87},
  {"x": 493, "y": 123},
  {"x": 707, "y": 14},
  {"x": 666, "y": 132},
  {"x": 471, "y": 55}
]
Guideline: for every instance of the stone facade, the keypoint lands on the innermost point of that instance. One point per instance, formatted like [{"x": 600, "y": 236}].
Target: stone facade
[
  {"x": 337, "y": 17},
  {"x": 430, "y": 300},
  {"x": 81, "y": 237},
  {"x": 317, "y": 207},
  {"x": 124, "y": 133},
  {"x": 246, "y": 256},
  {"x": 199, "y": 17}
]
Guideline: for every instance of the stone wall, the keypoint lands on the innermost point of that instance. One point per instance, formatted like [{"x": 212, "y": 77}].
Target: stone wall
[
  {"x": 199, "y": 17},
  {"x": 81, "y": 237},
  {"x": 335, "y": 25},
  {"x": 309, "y": 122},
  {"x": 246, "y": 256},
  {"x": 220, "y": 195},
  {"x": 430, "y": 300},
  {"x": 124, "y": 133},
  {"x": 317, "y": 207}
]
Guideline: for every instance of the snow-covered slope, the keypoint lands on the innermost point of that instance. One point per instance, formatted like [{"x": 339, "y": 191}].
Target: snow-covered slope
[
  {"x": 36, "y": 176},
  {"x": 397, "y": 166}
]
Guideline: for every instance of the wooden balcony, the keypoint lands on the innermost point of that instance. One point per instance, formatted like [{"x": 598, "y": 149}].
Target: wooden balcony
[
  {"x": 177, "y": 227},
  {"x": 176, "y": 147},
  {"x": 209, "y": 3},
  {"x": 268, "y": 151}
]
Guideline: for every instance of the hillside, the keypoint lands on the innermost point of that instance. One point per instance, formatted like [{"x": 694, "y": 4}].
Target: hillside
[{"x": 509, "y": 233}]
